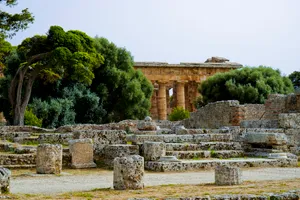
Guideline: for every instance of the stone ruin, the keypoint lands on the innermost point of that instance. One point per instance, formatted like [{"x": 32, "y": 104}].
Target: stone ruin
[{"x": 220, "y": 133}]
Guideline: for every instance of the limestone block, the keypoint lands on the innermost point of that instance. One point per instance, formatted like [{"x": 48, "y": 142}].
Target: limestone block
[
  {"x": 265, "y": 138},
  {"x": 128, "y": 173},
  {"x": 5, "y": 175},
  {"x": 227, "y": 175},
  {"x": 289, "y": 120},
  {"x": 146, "y": 125},
  {"x": 49, "y": 159},
  {"x": 110, "y": 152},
  {"x": 154, "y": 150},
  {"x": 82, "y": 153},
  {"x": 181, "y": 130}
]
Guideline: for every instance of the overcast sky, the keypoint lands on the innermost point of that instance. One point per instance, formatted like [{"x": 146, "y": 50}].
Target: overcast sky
[{"x": 251, "y": 32}]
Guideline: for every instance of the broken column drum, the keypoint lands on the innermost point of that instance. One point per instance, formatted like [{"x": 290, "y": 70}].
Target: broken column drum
[
  {"x": 227, "y": 175},
  {"x": 49, "y": 159},
  {"x": 5, "y": 175},
  {"x": 128, "y": 173}
]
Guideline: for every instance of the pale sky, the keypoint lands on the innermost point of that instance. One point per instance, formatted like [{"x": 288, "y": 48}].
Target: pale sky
[{"x": 250, "y": 32}]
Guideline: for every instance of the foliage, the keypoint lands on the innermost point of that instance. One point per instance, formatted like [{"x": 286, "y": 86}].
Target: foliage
[
  {"x": 55, "y": 112},
  {"x": 51, "y": 57},
  {"x": 179, "y": 113},
  {"x": 295, "y": 78},
  {"x": 125, "y": 92},
  {"x": 75, "y": 104},
  {"x": 5, "y": 49},
  {"x": 31, "y": 119},
  {"x": 248, "y": 85},
  {"x": 87, "y": 105},
  {"x": 12, "y": 23}
]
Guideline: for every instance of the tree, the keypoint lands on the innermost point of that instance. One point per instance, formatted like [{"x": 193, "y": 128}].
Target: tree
[
  {"x": 54, "y": 56},
  {"x": 179, "y": 113},
  {"x": 295, "y": 78},
  {"x": 12, "y": 23},
  {"x": 248, "y": 85},
  {"x": 124, "y": 91},
  {"x": 5, "y": 49}
]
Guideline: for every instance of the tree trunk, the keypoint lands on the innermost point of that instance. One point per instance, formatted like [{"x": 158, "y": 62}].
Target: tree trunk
[{"x": 18, "y": 117}]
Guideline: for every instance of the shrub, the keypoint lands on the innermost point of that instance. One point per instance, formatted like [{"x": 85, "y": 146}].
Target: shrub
[
  {"x": 179, "y": 113},
  {"x": 31, "y": 119}
]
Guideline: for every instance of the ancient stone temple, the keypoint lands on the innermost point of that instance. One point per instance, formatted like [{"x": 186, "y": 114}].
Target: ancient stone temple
[{"x": 183, "y": 79}]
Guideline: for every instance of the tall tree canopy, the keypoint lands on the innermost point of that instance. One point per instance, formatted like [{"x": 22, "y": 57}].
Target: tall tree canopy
[
  {"x": 295, "y": 78},
  {"x": 248, "y": 85},
  {"x": 52, "y": 57},
  {"x": 125, "y": 91},
  {"x": 12, "y": 23}
]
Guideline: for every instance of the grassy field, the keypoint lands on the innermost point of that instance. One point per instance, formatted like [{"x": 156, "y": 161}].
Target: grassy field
[{"x": 164, "y": 191}]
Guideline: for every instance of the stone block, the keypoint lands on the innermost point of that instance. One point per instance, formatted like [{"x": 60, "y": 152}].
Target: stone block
[
  {"x": 110, "y": 152},
  {"x": 5, "y": 175},
  {"x": 154, "y": 150},
  {"x": 82, "y": 153},
  {"x": 181, "y": 130},
  {"x": 146, "y": 126},
  {"x": 265, "y": 138},
  {"x": 227, "y": 175},
  {"x": 128, "y": 173},
  {"x": 266, "y": 123},
  {"x": 49, "y": 159},
  {"x": 289, "y": 120}
]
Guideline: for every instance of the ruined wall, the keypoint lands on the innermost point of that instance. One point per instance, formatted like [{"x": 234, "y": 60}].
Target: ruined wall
[
  {"x": 276, "y": 104},
  {"x": 254, "y": 111},
  {"x": 224, "y": 113}
]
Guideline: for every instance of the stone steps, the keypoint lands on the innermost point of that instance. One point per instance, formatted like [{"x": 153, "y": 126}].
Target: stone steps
[
  {"x": 196, "y": 138},
  {"x": 203, "y": 146},
  {"x": 205, "y": 154},
  {"x": 196, "y": 165}
]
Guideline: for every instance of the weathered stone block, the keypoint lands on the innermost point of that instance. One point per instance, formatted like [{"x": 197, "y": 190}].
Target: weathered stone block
[
  {"x": 266, "y": 123},
  {"x": 265, "y": 138},
  {"x": 154, "y": 150},
  {"x": 82, "y": 153},
  {"x": 226, "y": 175},
  {"x": 49, "y": 159},
  {"x": 181, "y": 130},
  {"x": 289, "y": 120},
  {"x": 5, "y": 175},
  {"x": 129, "y": 173},
  {"x": 110, "y": 152},
  {"x": 146, "y": 126}
]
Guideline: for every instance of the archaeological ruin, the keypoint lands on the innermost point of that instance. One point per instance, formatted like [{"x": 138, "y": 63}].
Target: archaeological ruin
[
  {"x": 226, "y": 136},
  {"x": 183, "y": 79}
]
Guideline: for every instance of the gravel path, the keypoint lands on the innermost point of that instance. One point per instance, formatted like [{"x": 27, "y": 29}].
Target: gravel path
[{"x": 50, "y": 184}]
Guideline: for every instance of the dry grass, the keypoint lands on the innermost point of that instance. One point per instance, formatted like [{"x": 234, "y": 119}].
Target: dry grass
[
  {"x": 94, "y": 171},
  {"x": 164, "y": 191}
]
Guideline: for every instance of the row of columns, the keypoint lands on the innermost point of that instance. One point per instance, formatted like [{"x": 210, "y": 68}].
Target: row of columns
[{"x": 184, "y": 93}]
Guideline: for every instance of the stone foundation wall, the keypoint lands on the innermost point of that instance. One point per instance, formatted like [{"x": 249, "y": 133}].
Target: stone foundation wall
[
  {"x": 224, "y": 113},
  {"x": 276, "y": 104}
]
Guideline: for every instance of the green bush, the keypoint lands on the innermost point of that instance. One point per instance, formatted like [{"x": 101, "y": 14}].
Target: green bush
[
  {"x": 179, "y": 113},
  {"x": 31, "y": 119}
]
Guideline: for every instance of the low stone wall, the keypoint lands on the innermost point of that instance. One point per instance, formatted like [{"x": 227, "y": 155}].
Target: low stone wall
[
  {"x": 55, "y": 138},
  {"x": 17, "y": 159},
  {"x": 126, "y": 125}
]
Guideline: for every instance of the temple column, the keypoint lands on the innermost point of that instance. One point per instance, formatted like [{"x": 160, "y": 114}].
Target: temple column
[
  {"x": 153, "y": 109},
  {"x": 162, "y": 101},
  {"x": 180, "y": 96}
]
